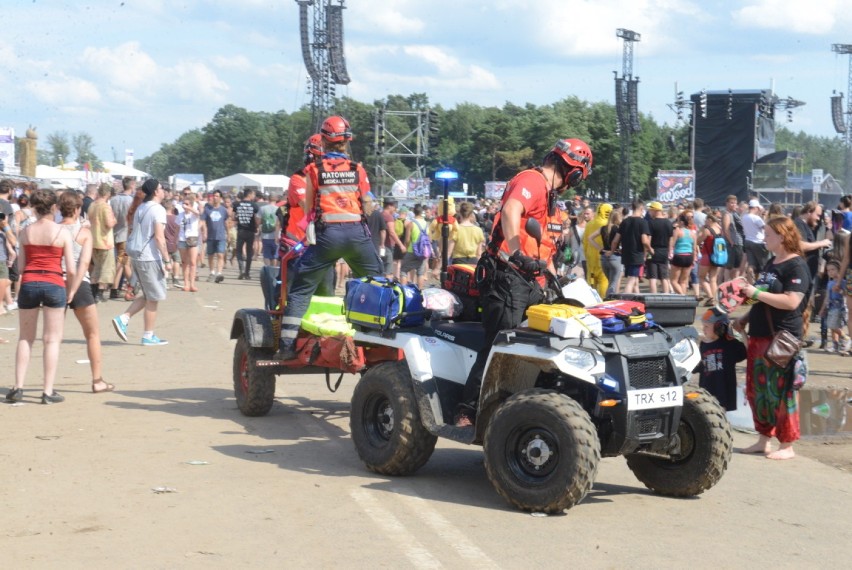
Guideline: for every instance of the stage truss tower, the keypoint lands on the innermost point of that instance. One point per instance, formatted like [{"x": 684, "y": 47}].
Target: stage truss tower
[
  {"x": 843, "y": 120},
  {"x": 626, "y": 109},
  {"x": 321, "y": 29}
]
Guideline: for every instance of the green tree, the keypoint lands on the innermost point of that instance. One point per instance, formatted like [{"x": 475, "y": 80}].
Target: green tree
[{"x": 60, "y": 150}]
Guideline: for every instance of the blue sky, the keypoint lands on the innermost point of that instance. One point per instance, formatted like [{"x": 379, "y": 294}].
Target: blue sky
[{"x": 139, "y": 73}]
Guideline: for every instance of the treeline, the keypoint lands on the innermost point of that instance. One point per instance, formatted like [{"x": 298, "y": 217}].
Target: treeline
[{"x": 481, "y": 143}]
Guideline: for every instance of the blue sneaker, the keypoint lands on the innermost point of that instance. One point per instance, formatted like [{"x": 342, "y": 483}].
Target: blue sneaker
[
  {"x": 154, "y": 341},
  {"x": 120, "y": 328}
]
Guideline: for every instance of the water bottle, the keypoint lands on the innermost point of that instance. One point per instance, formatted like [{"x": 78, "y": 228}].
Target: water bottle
[{"x": 822, "y": 410}]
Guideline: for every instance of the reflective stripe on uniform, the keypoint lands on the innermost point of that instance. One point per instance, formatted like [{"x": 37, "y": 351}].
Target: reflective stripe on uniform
[
  {"x": 291, "y": 321},
  {"x": 341, "y": 217},
  {"x": 287, "y": 333},
  {"x": 338, "y": 189}
]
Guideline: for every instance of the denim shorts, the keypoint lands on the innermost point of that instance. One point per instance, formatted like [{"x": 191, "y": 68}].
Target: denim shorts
[
  {"x": 270, "y": 249},
  {"x": 35, "y": 294},
  {"x": 632, "y": 270},
  {"x": 215, "y": 246}
]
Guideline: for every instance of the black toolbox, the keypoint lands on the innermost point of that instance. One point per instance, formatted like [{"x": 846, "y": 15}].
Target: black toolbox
[{"x": 668, "y": 310}]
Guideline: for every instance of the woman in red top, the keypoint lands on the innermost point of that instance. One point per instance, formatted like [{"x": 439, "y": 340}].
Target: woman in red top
[
  {"x": 706, "y": 270},
  {"x": 44, "y": 245}
]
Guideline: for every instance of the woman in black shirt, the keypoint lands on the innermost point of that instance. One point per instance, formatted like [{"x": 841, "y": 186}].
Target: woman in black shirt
[{"x": 780, "y": 294}]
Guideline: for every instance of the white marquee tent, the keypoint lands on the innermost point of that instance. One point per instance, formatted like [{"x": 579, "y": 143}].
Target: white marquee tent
[{"x": 261, "y": 182}]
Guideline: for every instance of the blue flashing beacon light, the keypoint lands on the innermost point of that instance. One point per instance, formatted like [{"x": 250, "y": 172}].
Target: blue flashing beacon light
[{"x": 445, "y": 176}]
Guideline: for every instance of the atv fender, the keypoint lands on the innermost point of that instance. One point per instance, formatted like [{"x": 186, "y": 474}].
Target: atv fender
[
  {"x": 426, "y": 357},
  {"x": 256, "y": 326},
  {"x": 514, "y": 368}
]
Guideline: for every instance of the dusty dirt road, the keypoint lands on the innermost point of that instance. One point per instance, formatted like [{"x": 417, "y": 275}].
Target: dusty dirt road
[{"x": 288, "y": 490}]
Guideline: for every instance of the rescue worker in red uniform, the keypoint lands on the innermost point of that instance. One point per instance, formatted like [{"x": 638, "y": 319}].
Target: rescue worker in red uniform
[
  {"x": 294, "y": 222},
  {"x": 514, "y": 262},
  {"x": 334, "y": 188}
]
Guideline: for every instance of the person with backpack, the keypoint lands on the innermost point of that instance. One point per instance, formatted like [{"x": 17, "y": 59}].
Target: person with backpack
[
  {"x": 269, "y": 230},
  {"x": 418, "y": 249},
  {"x": 150, "y": 258},
  {"x": 334, "y": 191},
  {"x": 714, "y": 255}
]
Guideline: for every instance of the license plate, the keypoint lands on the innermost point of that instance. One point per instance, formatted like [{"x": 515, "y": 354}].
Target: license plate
[{"x": 655, "y": 398}]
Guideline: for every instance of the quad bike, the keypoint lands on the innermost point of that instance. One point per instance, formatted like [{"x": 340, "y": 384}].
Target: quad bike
[{"x": 549, "y": 407}]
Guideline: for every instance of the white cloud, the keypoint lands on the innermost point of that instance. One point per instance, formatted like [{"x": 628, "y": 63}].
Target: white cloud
[
  {"x": 444, "y": 69},
  {"x": 588, "y": 27},
  {"x": 792, "y": 15},
  {"x": 388, "y": 17},
  {"x": 126, "y": 67},
  {"x": 450, "y": 70},
  {"x": 134, "y": 77},
  {"x": 65, "y": 91},
  {"x": 234, "y": 62},
  {"x": 196, "y": 82}
]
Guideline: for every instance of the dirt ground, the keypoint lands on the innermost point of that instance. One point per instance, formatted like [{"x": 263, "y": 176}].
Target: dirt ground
[{"x": 166, "y": 473}]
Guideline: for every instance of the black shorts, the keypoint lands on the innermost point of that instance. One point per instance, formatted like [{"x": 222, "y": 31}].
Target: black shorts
[
  {"x": 683, "y": 260},
  {"x": 83, "y": 297},
  {"x": 656, "y": 269},
  {"x": 735, "y": 256}
]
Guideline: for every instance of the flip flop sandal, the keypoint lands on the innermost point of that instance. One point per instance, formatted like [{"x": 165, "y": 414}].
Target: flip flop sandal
[{"x": 109, "y": 387}]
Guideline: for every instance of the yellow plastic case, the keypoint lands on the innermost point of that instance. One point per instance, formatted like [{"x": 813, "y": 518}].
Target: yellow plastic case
[{"x": 539, "y": 315}]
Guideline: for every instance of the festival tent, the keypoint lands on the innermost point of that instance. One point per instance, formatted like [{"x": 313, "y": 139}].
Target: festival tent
[
  {"x": 121, "y": 170},
  {"x": 60, "y": 177},
  {"x": 265, "y": 183}
]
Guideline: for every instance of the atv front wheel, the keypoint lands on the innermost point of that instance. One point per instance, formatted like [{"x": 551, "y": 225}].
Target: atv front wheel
[
  {"x": 541, "y": 451},
  {"x": 705, "y": 449},
  {"x": 254, "y": 387},
  {"x": 387, "y": 431}
]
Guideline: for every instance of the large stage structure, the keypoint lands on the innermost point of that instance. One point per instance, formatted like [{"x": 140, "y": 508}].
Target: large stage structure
[
  {"x": 733, "y": 140},
  {"x": 321, "y": 30}
]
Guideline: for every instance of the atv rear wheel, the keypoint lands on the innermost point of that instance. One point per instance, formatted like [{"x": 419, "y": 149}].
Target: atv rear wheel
[
  {"x": 254, "y": 387},
  {"x": 541, "y": 451},
  {"x": 387, "y": 431},
  {"x": 706, "y": 444}
]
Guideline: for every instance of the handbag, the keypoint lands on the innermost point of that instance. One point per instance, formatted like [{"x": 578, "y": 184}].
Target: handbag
[
  {"x": 191, "y": 241},
  {"x": 783, "y": 348}
]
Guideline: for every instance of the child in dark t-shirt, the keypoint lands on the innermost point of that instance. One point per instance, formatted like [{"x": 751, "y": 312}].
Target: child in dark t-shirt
[{"x": 719, "y": 356}]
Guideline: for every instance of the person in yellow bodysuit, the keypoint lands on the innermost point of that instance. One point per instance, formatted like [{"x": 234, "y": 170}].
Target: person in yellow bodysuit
[{"x": 595, "y": 275}]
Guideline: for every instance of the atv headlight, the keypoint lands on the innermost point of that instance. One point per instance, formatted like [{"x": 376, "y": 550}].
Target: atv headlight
[
  {"x": 683, "y": 350},
  {"x": 579, "y": 358}
]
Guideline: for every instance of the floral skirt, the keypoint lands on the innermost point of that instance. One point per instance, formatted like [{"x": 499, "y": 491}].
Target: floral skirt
[{"x": 773, "y": 402}]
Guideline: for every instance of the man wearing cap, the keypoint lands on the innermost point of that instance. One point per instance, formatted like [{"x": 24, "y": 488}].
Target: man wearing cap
[
  {"x": 754, "y": 244},
  {"x": 657, "y": 268},
  {"x": 151, "y": 260}
]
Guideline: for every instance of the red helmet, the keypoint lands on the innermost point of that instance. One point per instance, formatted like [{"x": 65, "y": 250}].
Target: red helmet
[
  {"x": 313, "y": 146},
  {"x": 576, "y": 154},
  {"x": 336, "y": 129}
]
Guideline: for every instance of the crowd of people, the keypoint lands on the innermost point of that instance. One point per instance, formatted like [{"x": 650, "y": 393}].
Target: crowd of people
[{"x": 66, "y": 249}]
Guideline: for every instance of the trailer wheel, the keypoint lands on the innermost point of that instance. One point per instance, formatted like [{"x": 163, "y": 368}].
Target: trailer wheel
[{"x": 254, "y": 387}]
